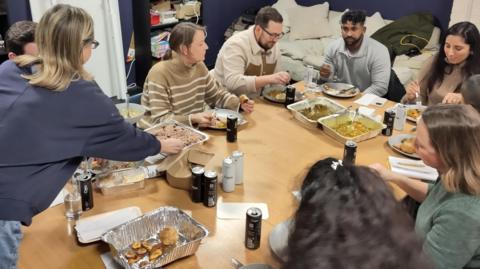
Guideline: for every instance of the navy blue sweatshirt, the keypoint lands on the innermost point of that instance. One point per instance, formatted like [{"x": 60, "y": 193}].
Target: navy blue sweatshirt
[{"x": 44, "y": 135}]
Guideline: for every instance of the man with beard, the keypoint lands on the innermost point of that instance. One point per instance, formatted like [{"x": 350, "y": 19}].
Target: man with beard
[
  {"x": 357, "y": 59},
  {"x": 248, "y": 60}
]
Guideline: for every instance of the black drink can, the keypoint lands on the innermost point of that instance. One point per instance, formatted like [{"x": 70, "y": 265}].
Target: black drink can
[
  {"x": 253, "y": 228},
  {"x": 232, "y": 128},
  {"x": 84, "y": 181},
  {"x": 196, "y": 193},
  {"x": 289, "y": 95},
  {"x": 388, "y": 120},
  {"x": 210, "y": 194},
  {"x": 350, "y": 152}
]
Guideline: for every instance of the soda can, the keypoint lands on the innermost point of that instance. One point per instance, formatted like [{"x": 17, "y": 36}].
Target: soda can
[
  {"x": 253, "y": 228},
  {"x": 350, "y": 152},
  {"x": 84, "y": 181},
  {"x": 289, "y": 95},
  {"x": 232, "y": 128},
  {"x": 388, "y": 120},
  {"x": 400, "y": 117},
  {"x": 228, "y": 175},
  {"x": 197, "y": 177},
  {"x": 237, "y": 157},
  {"x": 210, "y": 194}
]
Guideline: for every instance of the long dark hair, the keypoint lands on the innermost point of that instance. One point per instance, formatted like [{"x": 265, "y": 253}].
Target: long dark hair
[
  {"x": 348, "y": 218},
  {"x": 440, "y": 67}
]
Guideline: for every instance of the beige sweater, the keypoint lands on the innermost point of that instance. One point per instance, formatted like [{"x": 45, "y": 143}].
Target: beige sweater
[
  {"x": 451, "y": 83},
  {"x": 173, "y": 90}
]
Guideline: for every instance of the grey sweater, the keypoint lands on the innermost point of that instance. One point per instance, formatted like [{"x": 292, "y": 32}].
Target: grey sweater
[
  {"x": 368, "y": 69},
  {"x": 449, "y": 223}
]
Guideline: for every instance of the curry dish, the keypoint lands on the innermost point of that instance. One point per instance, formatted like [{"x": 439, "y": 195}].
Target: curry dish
[
  {"x": 414, "y": 113},
  {"x": 316, "y": 112},
  {"x": 277, "y": 94},
  {"x": 351, "y": 129}
]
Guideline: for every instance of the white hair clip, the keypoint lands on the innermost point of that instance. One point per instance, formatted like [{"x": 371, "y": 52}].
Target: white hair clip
[{"x": 335, "y": 164}]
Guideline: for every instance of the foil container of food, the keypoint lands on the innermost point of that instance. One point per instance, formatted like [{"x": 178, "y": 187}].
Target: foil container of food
[
  {"x": 147, "y": 228},
  {"x": 309, "y": 111},
  {"x": 342, "y": 128},
  {"x": 173, "y": 129},
  {"x": 103, "y": 166}
]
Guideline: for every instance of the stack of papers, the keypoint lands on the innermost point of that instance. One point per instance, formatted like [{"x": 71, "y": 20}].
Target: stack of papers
[
  {"x": 412, "y": 168},
  {"x": 92, "y": 228}
]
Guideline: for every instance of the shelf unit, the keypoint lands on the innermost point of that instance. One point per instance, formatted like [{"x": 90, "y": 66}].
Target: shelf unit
[{"x": 143, "y": 33}]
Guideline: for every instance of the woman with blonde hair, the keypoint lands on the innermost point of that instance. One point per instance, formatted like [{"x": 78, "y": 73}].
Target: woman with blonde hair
[
  {"x": 180, "y": 87},
  {"x": 448, "y": 218},
  {"x": 52, "y": 115}
]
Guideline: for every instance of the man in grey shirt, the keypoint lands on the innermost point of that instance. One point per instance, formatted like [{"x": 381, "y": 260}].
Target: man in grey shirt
[{"x": 356, "y": 58}]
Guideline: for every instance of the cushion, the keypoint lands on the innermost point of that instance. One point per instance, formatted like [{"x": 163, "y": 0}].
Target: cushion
[
  {"x": 282, "y": 6},
  {"x": 433, "y": 43},
  {"x": 334, "y": 18},
  {"x": 373, "y": 23},
  {"x": 309, "y": 22}
]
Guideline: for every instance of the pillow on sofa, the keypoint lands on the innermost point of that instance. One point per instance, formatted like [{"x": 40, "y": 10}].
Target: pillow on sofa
[
  {"x": 373, "y": 23},
  {"x": 282, "y": 6},
  {"x": 334, "y": 18},
  {"x": 309, "y": 22}
]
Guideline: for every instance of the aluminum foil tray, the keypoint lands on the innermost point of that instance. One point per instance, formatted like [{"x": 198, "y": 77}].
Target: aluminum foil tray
[
  {"x": 147, "y": 227},
  {"x": 158, "y": 128},
  {"x": 295, "y": 108},
  {"x": 330, "y": 122}
]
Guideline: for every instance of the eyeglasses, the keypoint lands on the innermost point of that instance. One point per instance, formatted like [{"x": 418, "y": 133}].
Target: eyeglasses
[
  {"x": 273, "y": 35},
  {"x": 94, "y": 43}
]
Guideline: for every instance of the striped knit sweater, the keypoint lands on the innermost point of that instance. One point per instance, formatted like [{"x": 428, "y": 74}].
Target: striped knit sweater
[{"x": 173, "y": 90}]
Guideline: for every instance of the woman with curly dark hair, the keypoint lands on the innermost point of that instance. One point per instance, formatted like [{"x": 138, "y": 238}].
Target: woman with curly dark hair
[
  {"x": 441, "y": 77},
  {"x": 348, "y": 218}
]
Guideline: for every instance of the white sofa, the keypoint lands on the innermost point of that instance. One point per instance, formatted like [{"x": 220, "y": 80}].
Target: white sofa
[{"x": 309, "y": 30}]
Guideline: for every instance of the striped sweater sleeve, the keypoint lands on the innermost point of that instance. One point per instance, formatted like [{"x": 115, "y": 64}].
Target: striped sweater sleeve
[{"x": 217, "y": 96}]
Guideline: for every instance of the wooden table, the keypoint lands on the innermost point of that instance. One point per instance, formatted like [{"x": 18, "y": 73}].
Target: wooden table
[{"x": 278, "y": 152}]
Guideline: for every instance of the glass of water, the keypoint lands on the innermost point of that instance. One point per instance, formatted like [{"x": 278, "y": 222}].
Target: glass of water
[{"x": 73, "y": 203}]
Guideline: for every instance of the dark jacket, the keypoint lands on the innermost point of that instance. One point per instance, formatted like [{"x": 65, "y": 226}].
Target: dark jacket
[{"x": 45, "y": 134}]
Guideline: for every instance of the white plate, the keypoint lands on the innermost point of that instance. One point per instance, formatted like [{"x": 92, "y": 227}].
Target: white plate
[
  {"x": 335, "y": 89},
  {"x": 396, "y": 140},
  {"x": 223, "y": 113},
  {"x": 278, "y": 239},
  {"x": 267, "y": 89},
  {"x": 421, "y": 108}
]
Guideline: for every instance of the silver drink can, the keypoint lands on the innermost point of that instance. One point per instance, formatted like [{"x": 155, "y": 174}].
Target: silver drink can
[
  {"x": 228, "y": 175},
  {"x": 400, "y": 117},
  {"x": 237, "y": 157},
  {"x": 210, "y": 194}
]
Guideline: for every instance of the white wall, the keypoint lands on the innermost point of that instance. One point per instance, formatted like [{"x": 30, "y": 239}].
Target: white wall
[
  {"x": 465, "y": 10},
  {"x": 107, "y": 63}
]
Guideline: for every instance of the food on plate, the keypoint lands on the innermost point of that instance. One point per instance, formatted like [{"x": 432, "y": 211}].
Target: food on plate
[
  {"x": 141, "y": 251},
  {"x": 351, "y": 129},
  {"x": 130, "y": 254},
  {"x": 169, "y": 236},
  {"x": 155, "y": 254},
  {"x": 407, "y": 145},
  {"x": 414, "y": 113},
  {"x": 345, "y": 91},
  {"x": 317, "y": 111},
  {"x": 130, "y": 113},
  {"x": 220, "y": 123},
  {"x": 187, "y": 136},
  {"x": 277, "y": 94}
]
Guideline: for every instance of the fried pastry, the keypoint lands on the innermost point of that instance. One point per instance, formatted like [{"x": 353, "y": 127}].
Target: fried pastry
[
  {"x": 136, "y": 245},
  {"x": 169, "y": 236},
  {"x": 155, "y": 254}
]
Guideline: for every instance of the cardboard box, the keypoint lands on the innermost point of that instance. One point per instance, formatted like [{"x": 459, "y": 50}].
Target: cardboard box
[{"x": 179, "y": 174}]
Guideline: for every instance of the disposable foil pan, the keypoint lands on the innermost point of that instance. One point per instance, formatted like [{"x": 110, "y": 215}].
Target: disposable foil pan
[
  {"x": 330, "y": 122},
  {"x": 202, "y": 136},
  {"x": 147, "y": 227},
  {"x": 295, "y": 108}
]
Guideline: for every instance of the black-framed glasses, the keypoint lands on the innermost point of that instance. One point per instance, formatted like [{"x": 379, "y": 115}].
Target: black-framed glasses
[
  {"x": 273, "y": 35},
  {"x": 94, "y": 43}
]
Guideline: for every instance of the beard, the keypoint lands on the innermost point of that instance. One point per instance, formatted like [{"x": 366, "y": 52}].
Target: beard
[
  {"x": 352, "y": 42},
  {"x": 266, "y": 45}
]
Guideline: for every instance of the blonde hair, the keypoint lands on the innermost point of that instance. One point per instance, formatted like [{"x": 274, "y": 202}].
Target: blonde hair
[
  {"x": 61, "y": 35},
  {"x": 454, "y": 132}
]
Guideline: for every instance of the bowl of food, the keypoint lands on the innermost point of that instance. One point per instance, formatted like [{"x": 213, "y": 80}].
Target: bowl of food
[
  {"x": 134, "y": 113},
  {"x": 276, "y": 93},
  {"x": 309, "y": 111},
  {"x": 344, "y": 127},
  {"x": 415, "y": 112}
]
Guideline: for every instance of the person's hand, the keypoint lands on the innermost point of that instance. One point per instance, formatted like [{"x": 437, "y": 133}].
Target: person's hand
[
  {"x": 171, "y": 145},
  {"x": 247, "y": 106},
  {"x": 453, "y": 98},
  {"x": 383, "y": 172},
  {"x": 325, "y": 70},
  {"x": 203, "y": 119},
  {"x": 280, "y": 78},
  {"x": 412, "y": 90}
]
